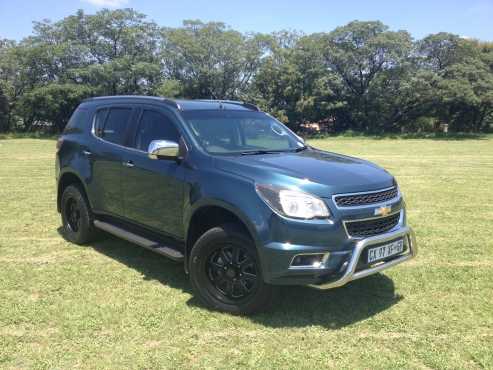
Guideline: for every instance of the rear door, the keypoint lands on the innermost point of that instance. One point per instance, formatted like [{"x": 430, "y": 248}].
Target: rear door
[
  {"x": 153, "y": 188},
  {"x": 110, "y": 130}
]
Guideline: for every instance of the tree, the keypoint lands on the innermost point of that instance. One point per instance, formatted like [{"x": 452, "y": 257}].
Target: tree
[
  {"x": 53, "y": 104},
  {"x": 292, "y": 83},
  {"x": 359, "y": 54},
  {"x": 463, "y": 69},
  {"x": 274, "y": 88},
  {"x": 4, "y": 112},
  {"x": 441, "y": 50},
  {"x": 467, "y": 95},
  {"x": 210, "y": 59},
  {"x": 361, "y": 76},
  {"x": 12, "y": 81},
  {"x": 114, "y": 51},
  {"x": 4, "y": 103}
]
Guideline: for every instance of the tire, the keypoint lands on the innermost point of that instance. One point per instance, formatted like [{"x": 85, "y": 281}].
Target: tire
[
  {"x": 77, "y": 219},
  {"x": 225, "y": 272}
]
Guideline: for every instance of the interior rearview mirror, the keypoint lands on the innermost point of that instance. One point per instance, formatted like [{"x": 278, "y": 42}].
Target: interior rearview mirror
[{"x": 163, "y": 149}]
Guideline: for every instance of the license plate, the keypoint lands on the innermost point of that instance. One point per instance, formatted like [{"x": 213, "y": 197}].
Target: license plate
[{"x": 386, "y": 250}]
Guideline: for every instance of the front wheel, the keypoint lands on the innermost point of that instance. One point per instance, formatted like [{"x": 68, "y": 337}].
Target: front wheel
[
  {"x": 225, "y": 272},
  {"x": 77, "y": 218}
]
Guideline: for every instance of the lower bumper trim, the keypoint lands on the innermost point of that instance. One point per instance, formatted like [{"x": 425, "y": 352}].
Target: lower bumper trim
[{"x": 350, "y": 273}]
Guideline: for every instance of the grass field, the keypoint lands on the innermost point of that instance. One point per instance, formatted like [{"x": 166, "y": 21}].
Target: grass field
[{"x": 114, "y": 305}]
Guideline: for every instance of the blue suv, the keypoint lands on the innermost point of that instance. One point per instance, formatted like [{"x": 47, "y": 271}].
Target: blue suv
[{"x": 243, "y": 202}]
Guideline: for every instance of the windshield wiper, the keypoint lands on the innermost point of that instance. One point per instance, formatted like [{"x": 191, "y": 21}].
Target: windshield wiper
[
  {"x": 256, "y": 152},
  {"x": 266, "y": 151}
]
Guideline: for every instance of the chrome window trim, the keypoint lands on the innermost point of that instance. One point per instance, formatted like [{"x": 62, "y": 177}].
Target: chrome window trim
[
  {"x": 375, "y": 205},
  {"x": 399, "y": 223},
  {"x": 93, "y": 133}
]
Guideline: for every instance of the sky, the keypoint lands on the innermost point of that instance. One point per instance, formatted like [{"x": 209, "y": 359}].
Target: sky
[{"x": 473, "y": 18}]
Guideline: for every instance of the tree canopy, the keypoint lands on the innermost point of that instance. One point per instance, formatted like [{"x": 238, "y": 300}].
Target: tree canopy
[{"x": 361, "y": 76}]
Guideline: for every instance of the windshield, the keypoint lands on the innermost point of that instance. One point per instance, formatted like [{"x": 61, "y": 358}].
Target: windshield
[{"x": 239, "y": 132}]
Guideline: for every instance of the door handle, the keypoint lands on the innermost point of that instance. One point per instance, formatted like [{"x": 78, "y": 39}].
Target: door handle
[
  {"x": 129, "y": 164},
  {"x": 87, "y": 153}
]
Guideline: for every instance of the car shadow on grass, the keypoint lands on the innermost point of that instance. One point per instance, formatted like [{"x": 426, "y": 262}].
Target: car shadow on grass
[
  {"x": 333, "y": 309},
  {"x": 292, "y": 306}
]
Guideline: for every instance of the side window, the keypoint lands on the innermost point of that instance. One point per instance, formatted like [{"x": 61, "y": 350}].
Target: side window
[
  {"x": 99, "y": 122},
  {"x": 154, "y": 126},
  {"x": 116, "y": 125},
  {"x": 77, "y": 122}
]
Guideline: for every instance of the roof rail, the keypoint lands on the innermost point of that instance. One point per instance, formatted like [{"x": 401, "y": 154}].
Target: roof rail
[
  {"x": 251, "y": 106},
  {"x": 120, "y": 97},
  {"x": 167, "y": 101},
  {"x": 236, "y": 102},
  {"x": 172, "y": 103}
]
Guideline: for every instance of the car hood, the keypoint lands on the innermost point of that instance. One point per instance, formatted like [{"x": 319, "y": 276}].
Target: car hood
[{"x": 319, "y": 172}]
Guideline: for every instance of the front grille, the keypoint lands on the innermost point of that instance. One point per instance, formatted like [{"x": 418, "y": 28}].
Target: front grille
[
  {"x": 365, "y": 198},
  {"x": 374, "y": 226}
]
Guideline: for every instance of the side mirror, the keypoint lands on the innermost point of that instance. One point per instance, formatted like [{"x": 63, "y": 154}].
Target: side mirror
[{"x": 163, "y": 149}]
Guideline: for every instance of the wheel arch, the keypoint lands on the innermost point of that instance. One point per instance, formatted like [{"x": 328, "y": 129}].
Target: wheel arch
[
  {"x": 209, "y": 214},
  {"x": 66, "y": 179}
]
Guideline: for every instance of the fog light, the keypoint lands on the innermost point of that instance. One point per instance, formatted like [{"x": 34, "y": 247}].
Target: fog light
[{"x": 309, "y": 260}]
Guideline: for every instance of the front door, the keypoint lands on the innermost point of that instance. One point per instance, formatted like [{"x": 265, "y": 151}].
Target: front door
[{"x": 153, "y": 188}]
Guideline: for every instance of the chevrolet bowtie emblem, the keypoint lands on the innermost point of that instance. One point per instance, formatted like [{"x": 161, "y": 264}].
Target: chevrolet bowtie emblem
[{"x": 383, "y": 211}]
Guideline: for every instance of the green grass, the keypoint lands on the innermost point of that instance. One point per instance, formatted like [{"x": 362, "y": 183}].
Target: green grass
[{"x": 114, "y": 305}]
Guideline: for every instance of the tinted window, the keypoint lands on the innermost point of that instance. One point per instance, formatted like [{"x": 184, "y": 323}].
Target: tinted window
[
  {"x": 154, "y": 126},
  {"x": 99, "y": 122},
  {"x": 116, "y": 124},
  {"x": 226, "y": 132},
  {"x": 77, "y": 122}
]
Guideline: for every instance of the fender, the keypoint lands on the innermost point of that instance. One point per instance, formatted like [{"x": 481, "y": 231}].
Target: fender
[
  {"x": 207, "y": 202},
  {"x": 63, "y": 173},
  {"x": 235, "y": 210}
]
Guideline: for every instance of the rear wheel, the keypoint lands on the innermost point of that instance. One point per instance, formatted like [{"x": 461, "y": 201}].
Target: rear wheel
[
  {"x": 225, "y": 272},
  {"x": 77, "y": 218}
]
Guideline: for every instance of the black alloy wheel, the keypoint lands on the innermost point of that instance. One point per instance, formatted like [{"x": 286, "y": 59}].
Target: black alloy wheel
[
  {"x": 77, "y": 218},
  {"x": 72, "y": 214},
  {"x": 225, "y": 271},
  {"x": 232, "y": 271}
]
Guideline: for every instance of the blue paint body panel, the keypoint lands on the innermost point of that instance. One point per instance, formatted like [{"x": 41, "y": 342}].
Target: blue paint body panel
[{"x": 164, "y": 196}]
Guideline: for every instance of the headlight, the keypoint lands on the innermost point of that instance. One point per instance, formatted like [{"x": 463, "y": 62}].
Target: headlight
[{"x": 293, "y": 203}]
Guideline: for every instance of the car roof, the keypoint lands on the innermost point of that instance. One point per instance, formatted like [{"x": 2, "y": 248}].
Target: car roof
[{"x": 180, "y": 104}]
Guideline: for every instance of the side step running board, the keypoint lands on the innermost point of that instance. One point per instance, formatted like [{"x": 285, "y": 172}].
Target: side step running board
[{"x": 139, "y": 240}]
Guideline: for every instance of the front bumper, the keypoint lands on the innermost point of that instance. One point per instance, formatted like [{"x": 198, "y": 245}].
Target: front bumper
[{"x": 351, "y": 271}]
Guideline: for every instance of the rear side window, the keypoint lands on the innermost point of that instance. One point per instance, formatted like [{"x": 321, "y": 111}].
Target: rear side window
[
  {"x": 78, "y": 121},
  {"x": 99, "y": 119},
  {"x": 154, "y": 126},
  {"x": 115, "y": 125}
]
